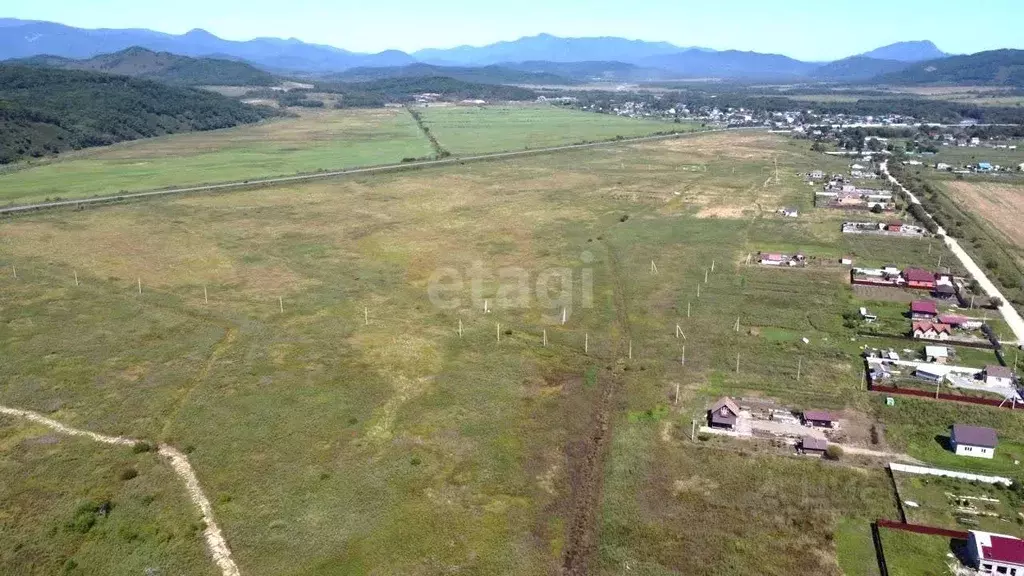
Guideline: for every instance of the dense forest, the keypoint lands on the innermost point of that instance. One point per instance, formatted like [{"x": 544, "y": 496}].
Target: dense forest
[
  {"x": 46, "y": 111},
  {"x": 162, "y": 67}
]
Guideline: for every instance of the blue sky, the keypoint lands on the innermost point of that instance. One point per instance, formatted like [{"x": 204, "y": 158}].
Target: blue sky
[{"x": 805, "y": 29}]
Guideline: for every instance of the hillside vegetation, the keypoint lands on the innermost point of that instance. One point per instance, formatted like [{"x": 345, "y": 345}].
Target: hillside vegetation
[
  {"x": 378, "y": 92},
  {"x": 162, "y": 67},
  {"x": 992, "y": 68},
  {"x": 482, "y": 75},
  {"x": 46, "y": 111}
]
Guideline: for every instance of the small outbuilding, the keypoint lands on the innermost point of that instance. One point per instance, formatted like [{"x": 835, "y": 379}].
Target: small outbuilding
[
  {"x": 820, "y": 419},
  {"x": 724, "y": 414},
  {"x": 813, "y": 445},
  {"x": 936, "y": 354},
  {"x": 974, "y": 441}
]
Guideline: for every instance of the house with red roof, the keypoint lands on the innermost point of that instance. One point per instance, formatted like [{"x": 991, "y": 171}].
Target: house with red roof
[
  {"x": 918, "y": 278},
  {"x": 894, "y": 226},
  {"x": 991, "y": 553},
  {"x": 923, "y": 310},
  {"x": 925, "y": 330}
]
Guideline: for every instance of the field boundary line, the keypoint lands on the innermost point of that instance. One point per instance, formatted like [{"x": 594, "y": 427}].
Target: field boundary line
[
  {"x": 179, "y": 462},
  {"x": 381, "y": 169}
]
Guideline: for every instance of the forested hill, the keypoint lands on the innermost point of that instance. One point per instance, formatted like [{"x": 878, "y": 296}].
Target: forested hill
[
  {"x": 992, "y": 68},
  {"x": 163, "y": 67},
  {"x": 46, "y": 111}
]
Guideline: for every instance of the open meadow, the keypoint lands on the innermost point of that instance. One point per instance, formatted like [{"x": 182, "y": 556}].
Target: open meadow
[
  {"x": 315, "y": 140},
  {"x": 71, "y": 506},
  {"x": 1001, "y": 205},
  {"x": 478, "y": 129},
  {"x": 322, "y": 353}
]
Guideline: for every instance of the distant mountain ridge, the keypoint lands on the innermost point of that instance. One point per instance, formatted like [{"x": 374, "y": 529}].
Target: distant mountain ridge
[
  {"x": 552, "y": 49},
  {"x": 992, "y": 68},
  {"x": 26, "y": 39},
  {"x": 540, "y": 59},
  {"x": 493, "y": 74},
  {"x": 914, "y": 51},
  {"x": 163, "y": 67}
]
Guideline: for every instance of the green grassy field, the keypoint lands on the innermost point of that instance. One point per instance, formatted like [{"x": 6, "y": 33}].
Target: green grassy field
[
  {"x": 52, "y": 488},
  {"x": 342, "y": 425},
  {"x": 939, "y": 500},
  {"x": 921, "y": 429},
  {"x": 316, "y": 140},
  {"x": 471, "y": 130},
  {"x": 909, "y": 554}
]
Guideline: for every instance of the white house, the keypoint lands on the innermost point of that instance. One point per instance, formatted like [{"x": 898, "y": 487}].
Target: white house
[
  {"x": 974, "y": 441},
  {"x": 991, "y": 553},
  {"x": 998, "y": 376}
]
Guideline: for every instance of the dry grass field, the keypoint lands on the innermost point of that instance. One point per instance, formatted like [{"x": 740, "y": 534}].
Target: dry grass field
[
  {"x": 1001, "y": 205},
  {"x": 342, "y": 424}
]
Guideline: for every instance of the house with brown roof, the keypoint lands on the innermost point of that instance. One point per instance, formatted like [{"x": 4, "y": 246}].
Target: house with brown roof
[
  {"x": 925, "y": 330},
  {"x": 974, "y": 441},
  {"x": 723, "y": 414},
  {"x": 819, "y": 419},
  {"x": 918, "y": 278}
]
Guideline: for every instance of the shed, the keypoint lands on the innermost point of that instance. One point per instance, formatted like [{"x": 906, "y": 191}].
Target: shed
[{"x": 813, "y": 445}]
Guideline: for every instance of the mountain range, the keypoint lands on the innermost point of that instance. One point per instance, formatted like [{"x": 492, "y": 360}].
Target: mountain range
[{"x": 540, "y": 59}]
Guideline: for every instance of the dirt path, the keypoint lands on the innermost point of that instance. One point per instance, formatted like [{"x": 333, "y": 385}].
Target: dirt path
[
  {"x": 215, "y": 541},
  {"x": 587, "y": 463}
]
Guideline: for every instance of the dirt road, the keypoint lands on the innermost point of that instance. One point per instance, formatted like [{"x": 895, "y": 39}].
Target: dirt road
[{"x": 1010, "y": 314}]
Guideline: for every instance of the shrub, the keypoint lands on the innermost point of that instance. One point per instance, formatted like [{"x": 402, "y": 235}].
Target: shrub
[
  {"x": 703, "y": 436},
  {"x": 833, "y": 452},
  {"x": 128, "y": 474},
  {"x": 140, "y": 447}
]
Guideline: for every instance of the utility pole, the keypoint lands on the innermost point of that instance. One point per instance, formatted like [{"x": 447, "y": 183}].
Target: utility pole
[
  {"x": 497, "y": 331},
  {"x": 206, "y": 295},
  {"x": 688, "y": 309},
  {"x": 737, "y": 363},
  {"x": 712, "y": 265},
  {"x": 545, "y": 341},
  {"x": 280, "y": 303},
  {"x": 682, "y": 358},
  {"x": 586, "y": 342},
  {"x": 698, "y": 290},
  {"x": 737, "y": 324},
  {"x": 139, "y": 281},
  {"x": 705, "y": 275},
  {"x": 630, "y": 349},
  {"x": 366, "y": 316},
  {"x": 693, "y": 430},
  {"x": 76, "y": 277},
  {"x": 15, "y": 270},
  {"x": 676, "y": 398}
]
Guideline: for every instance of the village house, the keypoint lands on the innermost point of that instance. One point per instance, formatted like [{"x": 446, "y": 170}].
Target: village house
[
  {"x": 974, "y": 441},
  {"x": 894, "y": 226},
  {"x": 813, "y": 445},
  {"x": 723, "y": 414},
  {"x": 820, "y": 419},
  {"x": 790, "y": 212},
  {"x": 925, "y": 330},
  {"x": 923, "y": 310},
  {"x": 999, "y": 376},
  {"x": 817, "y": 175},
  {"x": 944, "y": 291},
  {"x": 772, "y": 259},
  {"x": 918, "y": 278},
  {"x": 991, "y": 553},
  {"x": 942, "y": 166}
]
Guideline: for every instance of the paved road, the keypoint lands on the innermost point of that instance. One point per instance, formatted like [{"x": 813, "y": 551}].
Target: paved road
[
  {"x": 225, "y": 186},
  {"x": 1010, "y": 314}
]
